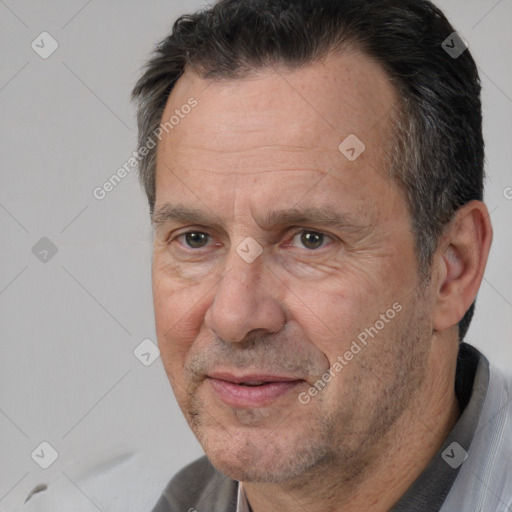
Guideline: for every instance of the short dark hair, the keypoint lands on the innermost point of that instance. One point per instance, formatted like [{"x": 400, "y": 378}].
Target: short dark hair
[{"x": 437, "y": 155}]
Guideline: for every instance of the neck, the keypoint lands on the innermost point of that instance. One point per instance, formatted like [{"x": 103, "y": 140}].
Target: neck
[{"x": 402, "y": 455}]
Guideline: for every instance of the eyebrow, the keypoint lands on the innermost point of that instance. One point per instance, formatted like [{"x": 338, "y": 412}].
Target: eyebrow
[
  {"x": 179, "y": 213},
  {"x": 326, "y": 216}
]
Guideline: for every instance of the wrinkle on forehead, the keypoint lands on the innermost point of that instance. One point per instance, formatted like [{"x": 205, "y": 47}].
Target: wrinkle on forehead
[
  {"x": 317, "y": 106},
  {"x": 188, "y": 148},
  {"x": 272, "y": 139}
]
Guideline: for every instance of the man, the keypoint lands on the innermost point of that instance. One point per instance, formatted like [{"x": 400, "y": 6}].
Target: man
[{"x": 314, "y": 170}]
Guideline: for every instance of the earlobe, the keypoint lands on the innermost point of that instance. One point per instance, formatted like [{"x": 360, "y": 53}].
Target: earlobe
[{"x": 461, "y": 259}]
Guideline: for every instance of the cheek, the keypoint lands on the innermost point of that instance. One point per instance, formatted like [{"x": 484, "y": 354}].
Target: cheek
[
  {"x": 179, "y": 315},
  {"x": 330, "y": 311},
  {"x": 334, "y": 312}
]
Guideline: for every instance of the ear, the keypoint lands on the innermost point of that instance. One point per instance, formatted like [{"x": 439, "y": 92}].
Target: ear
[{"x": 460, "y": 263}]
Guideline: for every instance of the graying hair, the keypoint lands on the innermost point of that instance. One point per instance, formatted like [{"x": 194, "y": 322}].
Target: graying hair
[{"x": 436, "y": 150}]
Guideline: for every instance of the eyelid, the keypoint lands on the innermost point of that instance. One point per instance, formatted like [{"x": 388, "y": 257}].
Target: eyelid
[
  {"x": 301, "y": 229},
  {"x": 210, "y": 240},
  {"x": 175, "y": 233}
]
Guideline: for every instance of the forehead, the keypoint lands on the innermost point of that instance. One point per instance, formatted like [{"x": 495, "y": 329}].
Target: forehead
[{"x": 279, "y": 119}]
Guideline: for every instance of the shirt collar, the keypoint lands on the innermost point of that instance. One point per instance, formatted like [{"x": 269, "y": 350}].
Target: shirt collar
[
  {"x": 242, "y": 505},
  {"x": 430, "y": 490}
]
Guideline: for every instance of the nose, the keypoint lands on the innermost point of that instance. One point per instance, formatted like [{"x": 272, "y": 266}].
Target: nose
[{"x": 246, "y": 300}]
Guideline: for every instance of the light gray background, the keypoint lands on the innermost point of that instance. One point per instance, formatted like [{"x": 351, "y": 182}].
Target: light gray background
[{"x": 69, "y": 326}]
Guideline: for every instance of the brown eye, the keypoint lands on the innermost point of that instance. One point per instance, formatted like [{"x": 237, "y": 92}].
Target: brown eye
[
  {"x": 310, "y": 239},
  {"x": 196, "y": 239}
]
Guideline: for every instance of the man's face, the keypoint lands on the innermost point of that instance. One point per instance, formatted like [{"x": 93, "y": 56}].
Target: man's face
[{"x": 273, "y": 253}]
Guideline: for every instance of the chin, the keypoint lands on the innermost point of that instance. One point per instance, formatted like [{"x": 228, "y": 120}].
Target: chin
[{"x": 259, "y": 458}]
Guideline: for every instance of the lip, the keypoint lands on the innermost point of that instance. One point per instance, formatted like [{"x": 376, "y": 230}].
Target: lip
[{"x": 230, "y": 390}]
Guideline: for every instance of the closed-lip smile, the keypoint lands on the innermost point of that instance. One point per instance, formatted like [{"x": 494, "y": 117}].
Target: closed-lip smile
[{"x": 251, "y": 390}]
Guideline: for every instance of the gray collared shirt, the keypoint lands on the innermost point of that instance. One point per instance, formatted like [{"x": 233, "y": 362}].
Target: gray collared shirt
[{"x": 429, "y": 491}]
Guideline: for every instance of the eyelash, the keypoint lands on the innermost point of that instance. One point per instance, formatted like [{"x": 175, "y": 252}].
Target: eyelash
[{"x": 298, "y": 231}]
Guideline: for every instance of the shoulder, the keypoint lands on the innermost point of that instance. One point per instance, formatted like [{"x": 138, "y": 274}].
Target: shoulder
[
  {"x": 486, "y": 476},
  {"x": 493, "y": 438},
  {"x": 198, "y": 487}
]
